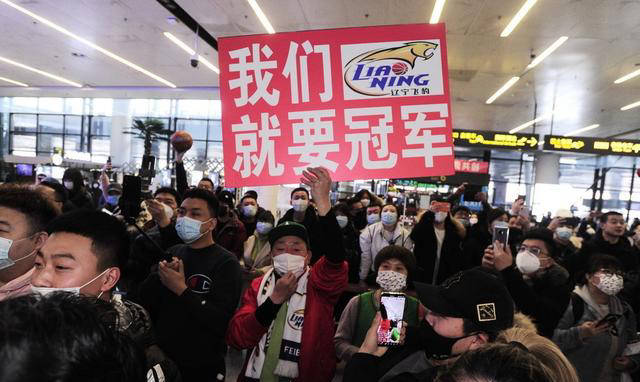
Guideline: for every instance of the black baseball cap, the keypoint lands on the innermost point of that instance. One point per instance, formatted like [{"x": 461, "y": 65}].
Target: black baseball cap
[
  {"x": 477, "y": 294},
  {"x": 288, "y": 228}
]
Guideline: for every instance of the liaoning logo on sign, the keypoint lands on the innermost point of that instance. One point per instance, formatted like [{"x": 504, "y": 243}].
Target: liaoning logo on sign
[{"x": 392, "y": 69}]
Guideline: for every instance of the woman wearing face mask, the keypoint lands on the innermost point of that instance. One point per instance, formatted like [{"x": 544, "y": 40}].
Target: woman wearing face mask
[
  {"x": 377, "y": 236},
  {"x": 480, "y": 235},
  {"x": 256, "y": 260},
  {"x": 394, "y": 265},
  {"x": 597, "y": 326},
  {"x": 438, "y": 245},
  {"x": 78, "y": 194}
]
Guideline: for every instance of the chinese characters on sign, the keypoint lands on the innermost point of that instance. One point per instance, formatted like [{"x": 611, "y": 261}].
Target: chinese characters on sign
[
  {"x": 495, "y": 139},
  {"x": 361, "y": 102},
  {"x": 592, "y": 145},
  {"x": 473, "y": 166}
]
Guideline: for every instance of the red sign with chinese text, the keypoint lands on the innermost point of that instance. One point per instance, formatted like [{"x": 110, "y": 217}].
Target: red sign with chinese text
[
  {"x": 476, "y": 167},
  {"x": 365, "y": 103}
]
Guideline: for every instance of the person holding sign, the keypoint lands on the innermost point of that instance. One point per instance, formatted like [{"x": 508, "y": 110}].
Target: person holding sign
[{"x": 286, "y": 316}]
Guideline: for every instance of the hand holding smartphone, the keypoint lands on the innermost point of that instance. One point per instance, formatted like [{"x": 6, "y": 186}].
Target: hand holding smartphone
[
  {"x": 392, "y": 312},
  {"x": 501, "y": 233}
]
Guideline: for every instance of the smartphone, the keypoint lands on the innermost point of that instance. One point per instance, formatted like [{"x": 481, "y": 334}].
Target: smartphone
[
  {"x": 392, "y": 312},
  {"x": 470, "y": 192},
  {"x": 524, "y": 212},
  {"x": 131, "y": 196},
  {"x": 501, "y": 233},
  {"x": 610, "y": 319}
]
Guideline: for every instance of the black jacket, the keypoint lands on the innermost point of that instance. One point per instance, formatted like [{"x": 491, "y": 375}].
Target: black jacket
[
  {"x": 191, "y": 327},
  {"x": 544, "y": 298},
  {"x": 622, "y": 250},
  {"x": 311, "y": 224},
  {"x": 425, "y": 250},
  {"x": 478, "y": 239}
]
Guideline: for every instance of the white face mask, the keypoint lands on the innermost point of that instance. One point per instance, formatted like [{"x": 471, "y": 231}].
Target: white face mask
[
  {"x": 168, "y": 211},
  {"x": 286, "y": 262},
  {"x": 300, "y": 205},
  {"x": 68, "y": 185},
  {"x": 365, "y": 202},
  {"x": 249, "y": 210},
  {"x": 473, "y": 221},
  {"x": 564, "y": 233},
  {"x": 373, "y": 218},
  {"x": 188, "y": 229},
  {"x": 391, "y": 281},
  {"x": 527, "y": 262},
  {"x": 591, "y": 231},
  {"x": 342, "y": 221},
  {"x": 5, "y": 248},
  {"x": 610, "y": 284},
  {"x": 43, "y": 291},
  {"x": 264, "y": 228},
  {"x": 389, "y": 218},
  {"x": 440, "y": 216}
]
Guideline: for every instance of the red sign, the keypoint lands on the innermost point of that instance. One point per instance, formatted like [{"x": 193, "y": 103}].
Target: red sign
[
  {"x": 477, "y": 167},
  {"x": 364, "y": 103}
]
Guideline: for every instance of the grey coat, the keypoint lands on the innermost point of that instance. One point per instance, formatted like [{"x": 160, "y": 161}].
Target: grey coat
[{"x": 593, "y": 357}]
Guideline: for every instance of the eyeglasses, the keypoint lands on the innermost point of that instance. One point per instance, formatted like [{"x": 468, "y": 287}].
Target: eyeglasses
[
  {"x": 535, "y": 250},
  {"x": 609, "y": 272}
]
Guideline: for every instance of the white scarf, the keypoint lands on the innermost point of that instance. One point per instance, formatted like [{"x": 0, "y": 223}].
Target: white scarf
[{"x": 295, "y": 319}]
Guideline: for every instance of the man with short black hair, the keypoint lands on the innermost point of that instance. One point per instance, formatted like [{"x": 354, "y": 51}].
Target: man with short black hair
[
  {"x": 84, "y": 254},
  {"x": 302, "y": 212},
  {"x": 465, "y": 312},
  {"x": 64, "y": 337},
  {"x": 248, "y": 210},
  {"x": 610, "y": 240},
  {"x": 192, "y": 298},
  {"x": 24, "y": 215},
  {"x": 539, "y": 286},
  {"x": 207, "y": 184}
]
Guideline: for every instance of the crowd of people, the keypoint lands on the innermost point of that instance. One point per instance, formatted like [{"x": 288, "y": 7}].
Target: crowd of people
[{"x": 85, "y": 296}]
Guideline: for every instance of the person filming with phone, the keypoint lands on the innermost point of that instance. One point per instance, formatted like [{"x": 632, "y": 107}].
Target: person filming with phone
[
  {"x": 598, "y": 326},
  {"x": 539, "y": 286}
]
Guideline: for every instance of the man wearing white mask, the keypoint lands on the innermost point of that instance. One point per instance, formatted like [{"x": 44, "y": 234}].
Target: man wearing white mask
[
  {"x": 84, "y": 255},
  {"x": 304, "y": 213},
  {"x": 286, "y": 316},
  {"x": 539, "y": 286},
  {"x": 192, "y": 297},
  {"x": 24, "y": 215},
  {"x": 437, "y": 242},
  {"x": 248, "y": 210}
]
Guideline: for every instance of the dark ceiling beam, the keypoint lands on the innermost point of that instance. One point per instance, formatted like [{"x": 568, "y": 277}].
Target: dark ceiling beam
[{"x": 189, "y": 21}]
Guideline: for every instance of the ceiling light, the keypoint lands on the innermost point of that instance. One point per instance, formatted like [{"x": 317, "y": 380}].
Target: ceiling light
[
  {"x": 547, "y": 51},
  {"x": 41, "y": 72},
  {"x": 629, "y": 76},
  {"x": 527, "y": 124},
  {"x": 503, "y": 89},
  {"x": 630, "y": 106},
  {"x": 87, "y": 42},
  {"x": 261, "y": 16},
  {"x": 517, "y": 18},
  {"x": 437, "y": 11},
  {"x": 13, "y": 82},
  {"x": 191, "y": 52},
  {"x": 576, "y": 132}
]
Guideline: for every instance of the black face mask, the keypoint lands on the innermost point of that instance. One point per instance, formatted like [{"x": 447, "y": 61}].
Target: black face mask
[{"x": 437, "y": 347}]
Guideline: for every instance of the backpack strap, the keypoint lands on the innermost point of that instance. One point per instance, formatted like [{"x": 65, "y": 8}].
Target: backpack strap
[{"x": 577, "y": 305}]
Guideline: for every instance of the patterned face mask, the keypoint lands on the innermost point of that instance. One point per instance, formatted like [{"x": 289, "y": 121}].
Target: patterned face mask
[
  {"x": 391, "y": 281},
  {"x": 610, "y": 284}
]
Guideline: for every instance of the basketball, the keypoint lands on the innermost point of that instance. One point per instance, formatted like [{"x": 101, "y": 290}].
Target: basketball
[
  {"x": 181, "y": 141},
  {"x": 399, "y": 68}
]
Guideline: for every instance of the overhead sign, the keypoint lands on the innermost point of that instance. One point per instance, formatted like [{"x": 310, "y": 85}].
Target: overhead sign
[
  {"x": 495, "y": 139},
  {"x": 592, "y": 145},
  {"x": 365, "y": 103},
  {"x": 473, "y": 166}
]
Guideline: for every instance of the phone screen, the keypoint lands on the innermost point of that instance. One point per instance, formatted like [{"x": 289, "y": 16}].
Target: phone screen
[
  {"x": 609, "y": 319},
  {"x": 392, "y": 310},
  {"x": 501, "y": 233}
]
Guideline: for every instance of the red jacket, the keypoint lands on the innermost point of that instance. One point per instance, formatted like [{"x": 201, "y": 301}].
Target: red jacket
[{"x": 317, "y": 354}]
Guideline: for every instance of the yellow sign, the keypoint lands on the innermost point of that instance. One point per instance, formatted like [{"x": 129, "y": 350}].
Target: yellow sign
[{"x": 495, "y": 139}]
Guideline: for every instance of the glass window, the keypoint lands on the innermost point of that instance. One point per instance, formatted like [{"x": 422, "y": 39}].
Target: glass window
[
  {"x": 100, "y": 146},
  {"x": 74, "y": 106},
  {"x": 23, "y": 143},
  {"x": 193, "y": 108},
  {"x": 197, "y": 128},
  {"x": 140, "y": 107},
  {"x": 214, "y": 150},
  {"x": 101, "y": 126},
  {"x": 72, "y": 143},
  {"x": 73, "y": 124},
  {"x": 51, "y": 105},
  {"x": 215, "y": 130},
  {"x": 24, "y": 104},
  {"x": 48, "y": 142},
  {"x": 160, "y": 108},
  {"x": 102, "y": 106},
  {"x": 24, "y": 122},
  {"x": 197, "y": 150},
  {"x": 50, "y": 124}
]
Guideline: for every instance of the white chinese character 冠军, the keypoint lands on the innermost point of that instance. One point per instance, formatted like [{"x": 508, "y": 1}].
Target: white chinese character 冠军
[
  {"x": 246, "y": 139},
  {"x": 316, "y": 137},
  {"x": 260, "y": 75},
  {"x": 377, "y": 135},
  {"x": 291, "y": 71},
  {"x": 420, "y": 132}
]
